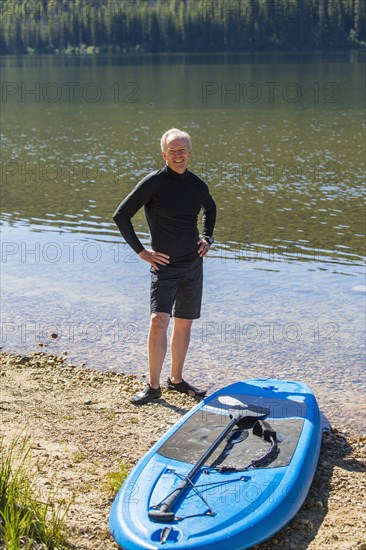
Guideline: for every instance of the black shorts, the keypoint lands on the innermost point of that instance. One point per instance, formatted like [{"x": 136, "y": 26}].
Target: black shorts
[{"x": 177, "y": 289}]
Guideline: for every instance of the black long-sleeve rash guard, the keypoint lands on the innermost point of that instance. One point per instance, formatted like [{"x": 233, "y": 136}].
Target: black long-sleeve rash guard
[{"x": 172, "y": 203}]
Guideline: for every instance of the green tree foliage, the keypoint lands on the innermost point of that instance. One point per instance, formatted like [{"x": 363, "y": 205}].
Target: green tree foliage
[{"x": 180, "y": 25}]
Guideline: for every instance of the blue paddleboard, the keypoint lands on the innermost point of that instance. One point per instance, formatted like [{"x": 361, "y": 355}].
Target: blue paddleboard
[{"x": 229, "y": 474}]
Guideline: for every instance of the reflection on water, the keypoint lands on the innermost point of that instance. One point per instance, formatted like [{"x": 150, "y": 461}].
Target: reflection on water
[
  {"x": 284, "y": 283},
  {"x": 274, "y": 195}
]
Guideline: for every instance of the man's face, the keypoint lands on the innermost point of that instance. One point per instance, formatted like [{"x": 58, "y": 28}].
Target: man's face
[{"x": 177, "y": 155}]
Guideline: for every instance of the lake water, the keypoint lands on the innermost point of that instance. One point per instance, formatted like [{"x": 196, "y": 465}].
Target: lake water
[{"x": 280, "y": 141}]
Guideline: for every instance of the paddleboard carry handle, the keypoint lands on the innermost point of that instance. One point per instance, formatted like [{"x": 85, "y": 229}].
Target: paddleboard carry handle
[
  {"x": 265, "y": 431},
  {"x": 162, "y": 512}
]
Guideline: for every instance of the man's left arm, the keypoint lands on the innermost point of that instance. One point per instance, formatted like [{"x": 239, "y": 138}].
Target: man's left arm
[{"x": 208, "y": 220}]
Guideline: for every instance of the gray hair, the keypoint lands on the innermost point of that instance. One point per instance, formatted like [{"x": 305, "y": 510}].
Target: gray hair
[{"x": 174, "y": 133}]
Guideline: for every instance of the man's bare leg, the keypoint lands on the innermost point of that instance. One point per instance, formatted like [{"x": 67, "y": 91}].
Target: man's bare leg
[
  {"x": 157, "y": 345},
  {"x": 179, "y": 345}
]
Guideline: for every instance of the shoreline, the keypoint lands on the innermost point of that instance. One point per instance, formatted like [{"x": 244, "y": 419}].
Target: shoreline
[{"x": 81, "y": 427}]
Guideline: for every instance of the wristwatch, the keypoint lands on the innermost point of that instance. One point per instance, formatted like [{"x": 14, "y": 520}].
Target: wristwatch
[{"x": 209, "y": 240}]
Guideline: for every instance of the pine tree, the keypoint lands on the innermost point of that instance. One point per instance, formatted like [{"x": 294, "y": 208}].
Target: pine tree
[
  {"x": 323, "y": 33},
  {"x": 336, "y": 35},
  {"x": 18, "y": 45},
  {"x": 154, "y": 30},
  {"x": 360, "y": 20},
  {"x": 269, "y": 17},
  {"x": 109, "y": 36}
]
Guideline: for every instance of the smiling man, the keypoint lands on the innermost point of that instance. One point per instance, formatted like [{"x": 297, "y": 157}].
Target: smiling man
[{"x": 172, "y": 198}]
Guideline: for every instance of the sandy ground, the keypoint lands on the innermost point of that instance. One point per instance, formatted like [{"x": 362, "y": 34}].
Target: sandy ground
[{"x": 81, "y": 426}]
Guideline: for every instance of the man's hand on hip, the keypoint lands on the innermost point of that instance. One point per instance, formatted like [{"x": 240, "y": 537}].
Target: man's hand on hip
[
  {"x": 154, "y": 258},
  {"x": 203, "y": 248}
]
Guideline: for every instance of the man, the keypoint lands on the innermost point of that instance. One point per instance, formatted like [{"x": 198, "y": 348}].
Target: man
[{"x": 172, "y": 198}]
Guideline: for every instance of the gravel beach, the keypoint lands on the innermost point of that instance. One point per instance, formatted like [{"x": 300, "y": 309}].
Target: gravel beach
[{"x": 81, "y": 426}]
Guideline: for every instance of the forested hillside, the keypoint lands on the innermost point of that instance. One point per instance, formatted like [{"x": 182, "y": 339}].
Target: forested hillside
[{"x": 47, "y": 26}]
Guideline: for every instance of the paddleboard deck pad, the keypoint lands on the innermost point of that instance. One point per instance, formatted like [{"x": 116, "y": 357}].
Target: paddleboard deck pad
[{"x": 229, "y": 474}]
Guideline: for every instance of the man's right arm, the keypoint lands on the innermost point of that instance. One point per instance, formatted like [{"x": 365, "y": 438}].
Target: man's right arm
[
  {"x": 128, "y": 208},
  {"x": 138, "y": 197},
  {"x": 122, "y": 218}
]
